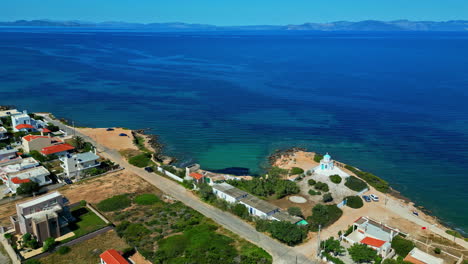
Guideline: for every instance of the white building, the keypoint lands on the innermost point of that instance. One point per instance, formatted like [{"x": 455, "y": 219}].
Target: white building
[
  {"x": 36, "y": 174},
  {"x": 327, "y": 167},
  {"x": 228, "y": 192},
  {"x": 374, "y": 234},
  {"x": 7, "y": 113},
  {"x": 417, "y": 256},
  {"x": 74, "y": 164},
  {"x": 7, "y": 154},
  {"x": 3, "y": 133},
  {"x": 23, "y": 122}
]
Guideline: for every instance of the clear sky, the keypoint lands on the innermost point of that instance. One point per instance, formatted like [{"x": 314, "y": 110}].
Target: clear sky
[{"x": 233, "y": 12}]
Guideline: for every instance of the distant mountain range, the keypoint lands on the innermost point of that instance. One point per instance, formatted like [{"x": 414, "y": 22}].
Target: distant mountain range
[{"x": 367, "y": 25}]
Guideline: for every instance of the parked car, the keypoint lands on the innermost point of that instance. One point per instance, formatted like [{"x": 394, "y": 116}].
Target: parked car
[
  {"x": 110, "y": 129},
  {"x": 366, "y": 198},
  {"x": 149, "y": 169},
  {"x": 374, "y": 197}
]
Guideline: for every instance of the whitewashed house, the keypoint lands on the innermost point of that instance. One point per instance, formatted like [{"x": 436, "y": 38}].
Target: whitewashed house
[
  {"x": 74, "y": 164},
  {"x": 373, "y": 234},
  {"x": 7, "y": 154},
  {"x": 36, "y": 174},
  {"x": 23, "y": 122}
]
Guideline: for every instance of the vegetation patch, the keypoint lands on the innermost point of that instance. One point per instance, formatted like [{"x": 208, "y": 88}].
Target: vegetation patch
[
  {"x": 146, "y": 199},
  {"x": 335, "y": 178},
  {"x": 318, "y": 157},
  {"x": 313, "y": 192},
  {"x": 296, "y": 171},
  {"x": 87, "y": 222},
  {"x": 321, "y": 186},
  {"x": 355, "y": 184},
  {"x": 141, "y": 160},
  {"x": 324, "y": 215},
  {"x": 371, "y": 179},
  {"x": 285, "y": 232},
  {"x": 311, "y": 182},
  {"x": 114, "y": 203},
  {"x": 402, "y": 246},
  {"x": 266, "y": 187},
  {"x": 354, "y": 202}
]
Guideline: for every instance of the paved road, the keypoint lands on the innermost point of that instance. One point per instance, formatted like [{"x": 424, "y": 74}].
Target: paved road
[{"x": 281, "y": 253}]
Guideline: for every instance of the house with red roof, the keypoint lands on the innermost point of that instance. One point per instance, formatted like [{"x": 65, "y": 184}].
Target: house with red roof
[
  {"x": 376, "y": 235},
  {"x": 21, "y": 121},
  {"x": 197, "y": 177},
  {"x": 58, "y": 150},
  {"x": 112, "y": 256},
  {"x": 39, "y": 142}
]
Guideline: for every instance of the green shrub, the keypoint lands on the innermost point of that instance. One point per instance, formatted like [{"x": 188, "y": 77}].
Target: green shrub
[
  {"x": 27, "y": 188},
  {"x": 240, "y": 210},
  {"x": 266, "y": 187},
  {"x": 296, "y": 211},
  {"x": 354, "y": 202},
  {"x": 83, "y": 203},
  {"x": 49, "y": 244},
  {"x": 114, "y": 203},
  {"x": 327, "y": 198},
  {"x": 335, "y": 178},
  {"x": 312, "y": 192},
  {"x": 402, "y": 246},
  {"x": 32, "y": 261},
  {"x": 146, "y": 199},
  {"x": 141, "y": 160},
  {"x": 437, "y": 250},
  {"x": 286, "y": 232},
  {"x": 311, "y": 182},
  {"x": 355, "y": 184},
  {"x": 63, "y": 250},
  {"x": 296, "y": 171},
  {"x": 371, "y": 179},
  {"x": 321, "y": 186},
  {"x": 324, "y": 215},
  {"x": 362, "y": 253},
  {"x": 318, "y": 157},
  {"x": 276, "y": 171}
]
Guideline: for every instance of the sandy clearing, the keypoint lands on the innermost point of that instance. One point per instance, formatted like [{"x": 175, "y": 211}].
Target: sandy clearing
[{"x": 110, "y": 139}]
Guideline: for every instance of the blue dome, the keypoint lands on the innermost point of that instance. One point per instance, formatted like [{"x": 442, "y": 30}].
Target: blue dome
[{"x": 327, "y": 156}]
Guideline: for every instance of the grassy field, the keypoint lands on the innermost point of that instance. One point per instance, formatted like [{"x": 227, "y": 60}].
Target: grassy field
[
  {"x": 88, "y": 251},
  {"x": 87, "y": 222}
]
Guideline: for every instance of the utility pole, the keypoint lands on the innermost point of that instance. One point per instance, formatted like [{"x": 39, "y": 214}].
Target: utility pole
[{"x": 318, "y": 241}]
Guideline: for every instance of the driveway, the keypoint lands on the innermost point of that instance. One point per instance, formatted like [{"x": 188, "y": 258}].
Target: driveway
[{"x": 281, "y": 253}]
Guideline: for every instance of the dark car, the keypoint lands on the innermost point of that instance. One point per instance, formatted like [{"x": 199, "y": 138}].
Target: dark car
[
  {"x": 149, "y": 169},
  {"x": 110, "y": 129},
  {"x": 366, "y": 198},
  {"x": 67, "y": 181}
]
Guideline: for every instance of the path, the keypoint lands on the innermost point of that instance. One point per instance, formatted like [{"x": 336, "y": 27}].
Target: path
[
  {"x": 280, "y": 252},
  {"x": 9, "y": 250}
]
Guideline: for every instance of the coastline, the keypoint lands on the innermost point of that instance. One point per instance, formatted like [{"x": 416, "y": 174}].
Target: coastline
[{"x": 152, "y": 143}]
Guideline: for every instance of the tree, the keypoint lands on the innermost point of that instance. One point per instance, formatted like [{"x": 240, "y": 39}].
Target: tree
[
  {"x": 206, "y": 192},
  {"x": 240, "y": 210},
  {"x": 335, "y": 178},
  {"x": 49, "y": 244},
  {"x": 402, "y": 246},
  {"x": 296, "y": 211},
  {"x": 287, "y": 232},
  {"x": 29, "y": 241},
  {"x": 78, "y": 142},
  {"x": 37, "y": 155},
  {"x": 332, "y": 245},
  {"x": 28, "y": 188},
  {"x": 354, "y": 201},
  {"x": 362, "y": 253},
  {"x": 324, "y": 215},
  {"x": 311, "y": 182},
  {"x": 52, "y": 127},
  {"x": 327, "y": 198}
]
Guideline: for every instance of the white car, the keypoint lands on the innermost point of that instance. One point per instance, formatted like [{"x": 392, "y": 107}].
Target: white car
[{"x": 374, "y": 197}]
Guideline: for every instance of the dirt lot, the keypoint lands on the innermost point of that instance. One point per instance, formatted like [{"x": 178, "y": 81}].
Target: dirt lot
[
  {"x": 92, "y": 190},
  {"x": 88, "y": 251},
  {"x": 110, "y": 139}
]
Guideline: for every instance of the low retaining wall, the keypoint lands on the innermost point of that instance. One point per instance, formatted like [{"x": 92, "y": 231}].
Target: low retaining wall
[{"x": 170, "y": 175}]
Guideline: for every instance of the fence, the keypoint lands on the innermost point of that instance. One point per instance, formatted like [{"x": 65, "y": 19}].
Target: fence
[{"x": 170, "y": 175}]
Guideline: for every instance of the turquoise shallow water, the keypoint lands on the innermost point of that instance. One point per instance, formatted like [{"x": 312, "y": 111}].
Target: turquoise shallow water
[{"x": 392, "y": 104}]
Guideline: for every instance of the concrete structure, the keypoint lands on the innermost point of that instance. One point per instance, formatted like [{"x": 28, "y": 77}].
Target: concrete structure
[
  {"x": 327, "y": 167},
  {"x": 23, "y": 122},
  {"x": 36, "y": 174},
  {"x": 228, "y": 192},
  {"x": 190, "y": 169},
  {"x": 74, "y": 164},
  {"x": 3, "y": 133},
  {"x": 417, "y": 256},
  {"x": 7, "y": 154},
  {"x": 112, "y": 256},
  {"x": 42, "y": 217},
  {"x": 374, "y": 234},
  {"x": 34, "y": 142},
  {"x": 8, "y": 113}
]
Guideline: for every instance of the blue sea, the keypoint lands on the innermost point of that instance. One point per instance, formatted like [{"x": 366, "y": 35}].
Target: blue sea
[{"x": 395, "y": 104}]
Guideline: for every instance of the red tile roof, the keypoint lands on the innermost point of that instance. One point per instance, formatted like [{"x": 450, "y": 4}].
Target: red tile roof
[
  {"x": 111, "y": 256},
  {"x": 56, "y": 149},
  {"x": 21, "y": 126},
  {"x": 33, "y": 137},
  {"x": 45, "y": 130},
  {"x": 196, "y": 176},
  {"x": 373, "y": 242},
  {"x": 17, "y": 180}
]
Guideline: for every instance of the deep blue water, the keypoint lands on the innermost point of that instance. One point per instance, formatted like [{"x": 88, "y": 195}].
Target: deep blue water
[{"x": 393, "y": 104}]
